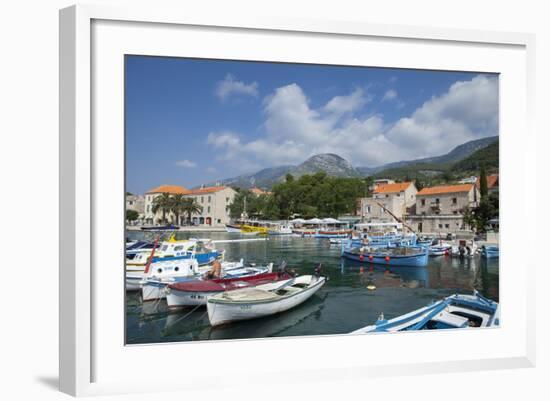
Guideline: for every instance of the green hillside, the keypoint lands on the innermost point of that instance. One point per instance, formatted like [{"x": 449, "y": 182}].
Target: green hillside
[
  {"x": 487, "y": 156},
  {"x": 436, "y": 173}
]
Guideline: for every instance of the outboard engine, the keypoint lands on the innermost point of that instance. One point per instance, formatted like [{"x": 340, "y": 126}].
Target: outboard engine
[{"x": 317, "y": 269}]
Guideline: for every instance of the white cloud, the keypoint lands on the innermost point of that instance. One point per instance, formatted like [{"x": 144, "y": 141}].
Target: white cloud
[
  {"x": 390, "y": 94},
  {"x": 340, "y": 105},
  {"x": 229, "y": 86},
  {"x": 294, "y": 130},
  {"x": 186, "y": 163}
]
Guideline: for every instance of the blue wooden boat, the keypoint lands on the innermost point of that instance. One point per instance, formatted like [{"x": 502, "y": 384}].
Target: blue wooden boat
[
  {"x": 489, "y": 251},
  {"x": 203, "y": 258},
  {"x": 454, "y": 312},
  {"x": 389, "y": 256}
]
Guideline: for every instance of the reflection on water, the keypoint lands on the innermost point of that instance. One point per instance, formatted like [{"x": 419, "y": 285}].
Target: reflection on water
[{"x": 342, "y": 305}]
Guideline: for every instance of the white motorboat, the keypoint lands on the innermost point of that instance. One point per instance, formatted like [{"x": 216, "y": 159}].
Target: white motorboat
[
  {"x": 163, "y": 273},
  {"x": 263, "y": 300}
]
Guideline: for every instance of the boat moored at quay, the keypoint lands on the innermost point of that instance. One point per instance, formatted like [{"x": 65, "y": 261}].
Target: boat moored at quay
[
  {"x": 389, "y": 256},
  {"x": 196, "y": 292},
  {"x": 153, "y": 286},
  {"x": 262, "y": 300}
]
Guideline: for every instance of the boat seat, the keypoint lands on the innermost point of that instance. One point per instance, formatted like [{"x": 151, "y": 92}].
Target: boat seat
[{"x": 249, "y": 294}]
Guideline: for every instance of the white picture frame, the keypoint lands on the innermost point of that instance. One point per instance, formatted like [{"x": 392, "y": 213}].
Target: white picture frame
[{"x": 91, "y": 362}]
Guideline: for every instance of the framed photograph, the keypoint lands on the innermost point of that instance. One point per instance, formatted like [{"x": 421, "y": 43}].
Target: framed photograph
[{"x": 246, "y": 189}]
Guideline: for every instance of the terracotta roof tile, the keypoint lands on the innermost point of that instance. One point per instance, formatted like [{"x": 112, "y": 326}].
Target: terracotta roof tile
[
  {"x": 492, "y": 181},
  {"x": 170, "y": 189},
  {"x": 207, "y": 190},
  {"x": 446, "y": 189},
  {"x": 391, "y": 188},
  {"x": 258, "y": 191}
]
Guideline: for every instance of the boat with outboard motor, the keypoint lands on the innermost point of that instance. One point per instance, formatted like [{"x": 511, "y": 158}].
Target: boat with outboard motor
[{"x": 453, "y": 312}]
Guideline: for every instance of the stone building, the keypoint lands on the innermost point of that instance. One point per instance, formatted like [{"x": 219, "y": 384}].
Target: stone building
[
  {"x": 137, "y": 203},
  {"x": 440, "y": 209},
  {"x": 155, "y": 218},
  {"x": 215, "y": 203},
  {"x": 396, "y": 198}
]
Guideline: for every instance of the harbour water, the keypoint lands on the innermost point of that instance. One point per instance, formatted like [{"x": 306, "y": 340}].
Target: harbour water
[{"x": 344, "y": 304}]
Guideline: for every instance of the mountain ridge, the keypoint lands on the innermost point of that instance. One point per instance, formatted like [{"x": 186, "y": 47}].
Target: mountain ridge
[{"x": 335, "y": 165}]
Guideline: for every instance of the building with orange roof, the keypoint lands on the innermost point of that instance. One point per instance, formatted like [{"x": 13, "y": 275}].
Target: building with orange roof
[
  {"x": 439, "y": 209},
  {"x": 492, "y": 183},
  {"x": 389, "y": 198},
  {"x": 258, "y": 191},
  {"x": 214, "y": 201}
]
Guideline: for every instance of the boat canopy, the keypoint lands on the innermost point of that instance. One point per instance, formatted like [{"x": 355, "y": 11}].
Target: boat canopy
[{"x": 314, "y": 221}]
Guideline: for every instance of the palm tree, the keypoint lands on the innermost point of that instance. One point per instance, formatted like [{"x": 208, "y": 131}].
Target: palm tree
[
  {"x": 177, "y": 204},
  {"x": 191, "y": 206},
  {"x": 163, "y": 202}
]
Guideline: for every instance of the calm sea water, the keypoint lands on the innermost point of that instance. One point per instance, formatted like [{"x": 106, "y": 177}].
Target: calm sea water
[{"x": 342, "y": 305}]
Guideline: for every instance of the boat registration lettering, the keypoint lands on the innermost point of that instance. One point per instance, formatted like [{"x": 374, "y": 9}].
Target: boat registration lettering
[{"x": 246, "y": 307}]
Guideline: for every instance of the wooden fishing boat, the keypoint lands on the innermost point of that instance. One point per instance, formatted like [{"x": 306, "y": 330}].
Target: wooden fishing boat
[
  {"x": 439, "y": 248},
  {"x": 396, "y": 256},
  {"x": 193, "y": 293},
  {"x": 153, "y": 285},
  {"x": 304, "y": 232},
  {"x": 454, "y": 312},
  {"x": 333, "y": 234},
  {"x": 262, "y": 300}
]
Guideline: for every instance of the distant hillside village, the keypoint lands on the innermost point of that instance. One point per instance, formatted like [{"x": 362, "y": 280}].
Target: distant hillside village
[{"x": 448, "y": 208}]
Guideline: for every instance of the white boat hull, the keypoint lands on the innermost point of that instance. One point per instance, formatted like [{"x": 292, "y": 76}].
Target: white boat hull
[
  {"x": 133, "y": 280},
  {"x": 178, "y": 299},
  {"x": 220, "y": 313}
]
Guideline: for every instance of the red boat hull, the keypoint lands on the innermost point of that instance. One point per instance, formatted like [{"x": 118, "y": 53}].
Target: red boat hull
[{"x": 220, "y": 285}]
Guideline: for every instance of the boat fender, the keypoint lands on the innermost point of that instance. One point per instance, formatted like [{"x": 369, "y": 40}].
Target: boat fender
[
  {"x": 371, "y": 257},
  {"x": 387, "y": 259},
  {"x": 361, "y": 257}
]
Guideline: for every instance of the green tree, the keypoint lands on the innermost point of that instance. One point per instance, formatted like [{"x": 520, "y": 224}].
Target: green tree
[
  {"x": 190, "y": 206},
  {"x": 177, "y": 204},
  {"x": 131, "y": 215},
  {"x": 483, "y": 190},
  {"x": 162, "y": 202}
]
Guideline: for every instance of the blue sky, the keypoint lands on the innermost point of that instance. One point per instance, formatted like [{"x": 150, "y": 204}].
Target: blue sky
[{"x": 192, "y": 121}]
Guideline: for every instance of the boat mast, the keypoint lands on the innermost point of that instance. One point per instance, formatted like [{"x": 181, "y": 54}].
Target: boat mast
[{"x": 395, "y": 217}]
